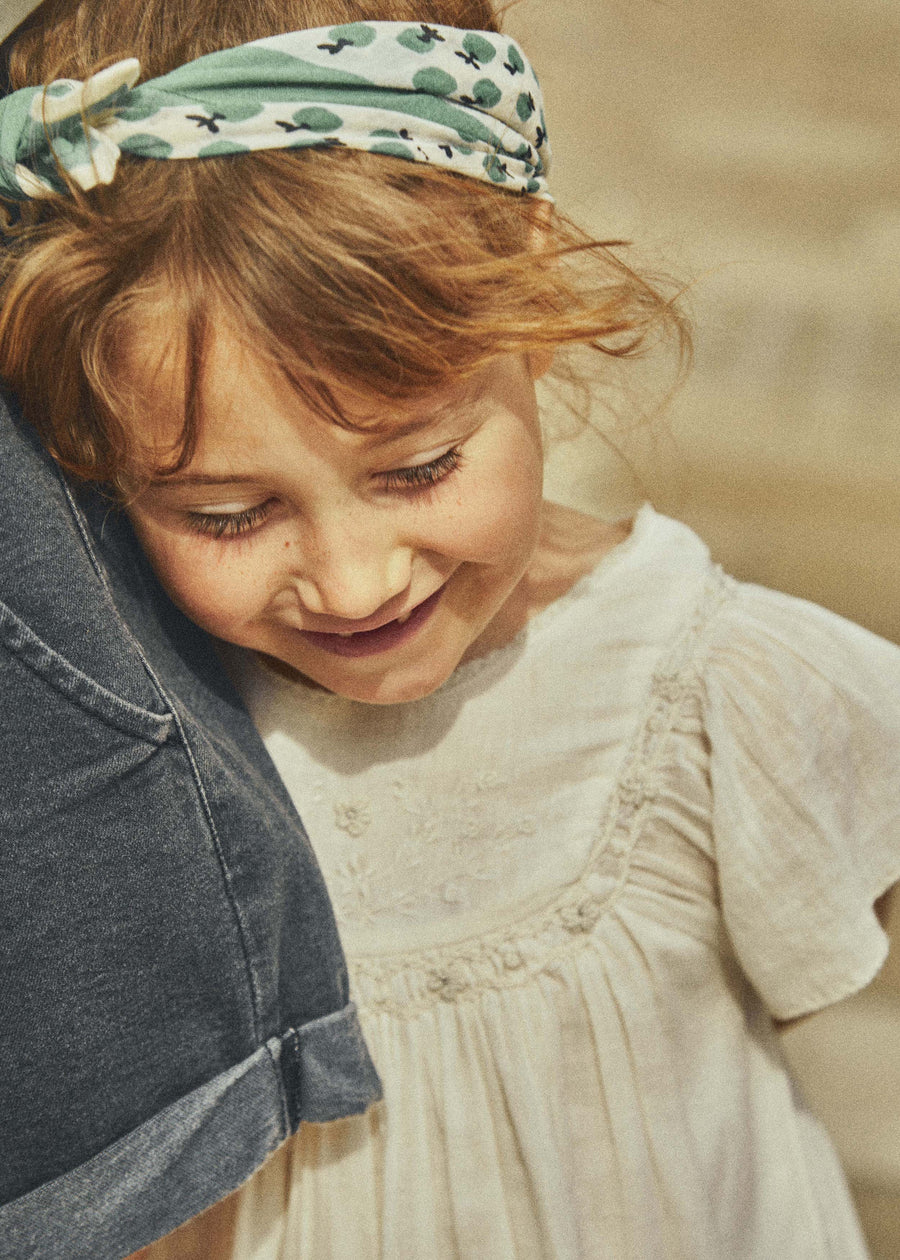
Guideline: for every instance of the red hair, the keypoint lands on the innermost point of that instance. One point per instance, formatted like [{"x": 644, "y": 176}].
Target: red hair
[{"x": 392, "y": 278}]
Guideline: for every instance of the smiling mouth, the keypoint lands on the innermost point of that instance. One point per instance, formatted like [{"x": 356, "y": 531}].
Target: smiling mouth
[{"x": 382, "y": 639}]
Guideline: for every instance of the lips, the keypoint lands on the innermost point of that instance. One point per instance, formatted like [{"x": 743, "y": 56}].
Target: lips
[{"x": 382, "y": 639}]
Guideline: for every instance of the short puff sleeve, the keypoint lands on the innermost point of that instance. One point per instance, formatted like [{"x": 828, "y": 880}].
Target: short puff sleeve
[{"x": 802, "y": 712}]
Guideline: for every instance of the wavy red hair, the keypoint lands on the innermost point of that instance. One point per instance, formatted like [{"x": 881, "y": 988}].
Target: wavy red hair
[{"x": 392, "y": 278}]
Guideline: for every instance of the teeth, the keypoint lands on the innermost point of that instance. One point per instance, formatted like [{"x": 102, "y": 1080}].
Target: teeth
[{"x": 348, "y": 634}]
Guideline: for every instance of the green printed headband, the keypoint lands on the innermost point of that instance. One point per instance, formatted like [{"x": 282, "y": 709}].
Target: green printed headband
[{"x": 466, "y": 101}]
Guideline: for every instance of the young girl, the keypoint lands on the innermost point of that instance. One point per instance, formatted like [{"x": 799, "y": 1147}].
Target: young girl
[{"x": 594, "y": 818}]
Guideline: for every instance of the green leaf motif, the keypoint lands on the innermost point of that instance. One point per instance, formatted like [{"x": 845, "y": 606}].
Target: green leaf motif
[
  {"x": 478, "y": 47},
  {"x": 147, "y": 146},
  {"x": 494, "y": 168},
  {"x": 202, "y": 80},
  {"x": 71, "y": 152},
  {"x": 238, "y": 105},
  {"x": 391, "y": 148},
  {"x": 413, "y": 40},
  {"x": 525, "y": 106},
  {"x": 357, "y": 33},
  {"x": 434, "y": 81},
  {"x": 486, "y": 93},
  {"x": 313, "y": 118},
  {"x": 514, "y": 58},
  {"x": 139, "y": 107},
  {"x": 222, "y": 148}
]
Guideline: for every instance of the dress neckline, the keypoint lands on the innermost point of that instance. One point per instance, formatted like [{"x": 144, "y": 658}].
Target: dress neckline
[{"x": 546, "y": 617}]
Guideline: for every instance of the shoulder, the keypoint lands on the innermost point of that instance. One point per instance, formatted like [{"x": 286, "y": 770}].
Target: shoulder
[
  {"x": 760, "y": 638},
  {"x": 645, "y": 574},
  {"x": 798, "y": 701},
  {"x": 652, "y": 553},
  {"x": 801, "y": 714}
]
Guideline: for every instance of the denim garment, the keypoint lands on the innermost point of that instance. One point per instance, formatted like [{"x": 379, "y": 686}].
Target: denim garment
[{"x": 173, "y": 995}]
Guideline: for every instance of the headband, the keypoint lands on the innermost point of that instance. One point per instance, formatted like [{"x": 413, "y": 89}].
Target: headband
[{"x": 466, "y": 101}]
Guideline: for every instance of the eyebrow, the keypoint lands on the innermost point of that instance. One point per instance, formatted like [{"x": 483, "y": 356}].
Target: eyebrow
[{"x": 201, "y": 479}]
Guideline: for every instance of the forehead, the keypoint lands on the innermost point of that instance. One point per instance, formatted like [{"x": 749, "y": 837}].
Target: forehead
[{"x": 234, "y": 398}]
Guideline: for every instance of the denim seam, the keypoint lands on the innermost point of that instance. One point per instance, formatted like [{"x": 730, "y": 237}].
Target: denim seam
[
  {"x": 292, "y": 1054},
  {"x": 348, "y": 1011},
  {"x": 279, "y": 1077},
  {"x": 79, "y": 688},
  {"x": 253, "y": 982}
]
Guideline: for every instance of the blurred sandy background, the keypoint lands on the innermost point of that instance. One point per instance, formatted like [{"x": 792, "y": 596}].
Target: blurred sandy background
[{"x": 749, "y": 148}]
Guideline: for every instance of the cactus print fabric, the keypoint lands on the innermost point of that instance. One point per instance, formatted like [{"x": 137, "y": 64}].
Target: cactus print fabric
[{"x": 467, "y": 101}]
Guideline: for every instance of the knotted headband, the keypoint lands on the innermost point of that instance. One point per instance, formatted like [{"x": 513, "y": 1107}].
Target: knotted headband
[{"x": 467, "y": 101}]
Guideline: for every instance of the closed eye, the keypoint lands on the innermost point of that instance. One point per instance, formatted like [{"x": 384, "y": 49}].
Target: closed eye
[
  {"x": 229, "y": 524},
  {"x": 417, "y": 477},
  {"x": 423, "y": 476}
]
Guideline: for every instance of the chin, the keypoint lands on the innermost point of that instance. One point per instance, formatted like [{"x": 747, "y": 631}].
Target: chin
[
  {"x": 397, "y": 685},
  {"x": 389, "y": 691}
]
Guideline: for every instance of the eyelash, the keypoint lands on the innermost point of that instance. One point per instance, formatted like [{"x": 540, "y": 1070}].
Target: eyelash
[
  {"x": 416, "y": 479},
  {"x": 228, "y": 524},
  {"x": 424, "y": 476}
]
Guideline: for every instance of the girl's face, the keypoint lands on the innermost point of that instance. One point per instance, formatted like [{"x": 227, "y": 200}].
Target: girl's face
[{"x": 371, "y": 562}]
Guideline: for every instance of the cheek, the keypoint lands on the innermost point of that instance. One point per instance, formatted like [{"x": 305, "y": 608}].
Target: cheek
[
  {"x": 218, "y": 603},
  {"x": 215, "y": 590},
  {"x": 501, "y": 519}
]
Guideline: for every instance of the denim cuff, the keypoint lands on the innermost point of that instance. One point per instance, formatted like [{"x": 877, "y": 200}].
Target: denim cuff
[{"x": 197, "y": 1150}]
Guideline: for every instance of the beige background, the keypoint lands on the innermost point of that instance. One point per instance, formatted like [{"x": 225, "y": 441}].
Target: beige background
[{"x": 749, "y": 147}]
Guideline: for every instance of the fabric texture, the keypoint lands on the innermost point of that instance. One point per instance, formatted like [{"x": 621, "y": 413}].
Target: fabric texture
[
  {"x": 173, "y": 990},
  {"x": 12, "y": 12},
  {"x": 467, "y": 101},
  {"x": 575, "y": 885}
]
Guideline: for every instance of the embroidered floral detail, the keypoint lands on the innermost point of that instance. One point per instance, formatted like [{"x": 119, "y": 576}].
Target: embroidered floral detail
[
  {"x": 573, "y": 918},
  {"x": 632, "y": 794},
  {"x": 511, "y": 957},
  {"x": 600, "y": 886},
  {"x": 619, "y": 844},
  {"x": 355, "y": 878},
  {"x": 359, "y": 895},
  {"x": 448, "y": 985},
  {"x": 668, "y": 687},
  {"x": 632, "y": 790},
  {"x": 353, "y": 817},
  {"x": 581, "y": 917},
  {"x": 476, "y": 834}
]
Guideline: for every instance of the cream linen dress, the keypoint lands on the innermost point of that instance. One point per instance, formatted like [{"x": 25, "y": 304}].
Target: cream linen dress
[{"x": 575, "y": 886}]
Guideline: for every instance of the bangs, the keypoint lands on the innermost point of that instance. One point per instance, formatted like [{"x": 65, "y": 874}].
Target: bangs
[{"x": 389, "y": 280}]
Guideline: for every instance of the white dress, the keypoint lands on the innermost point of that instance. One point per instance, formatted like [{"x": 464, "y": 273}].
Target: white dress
[{"x": 574, "y": 887}]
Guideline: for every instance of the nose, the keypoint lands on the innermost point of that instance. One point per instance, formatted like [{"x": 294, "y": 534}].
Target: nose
[{"x": 352, "y": 568}]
